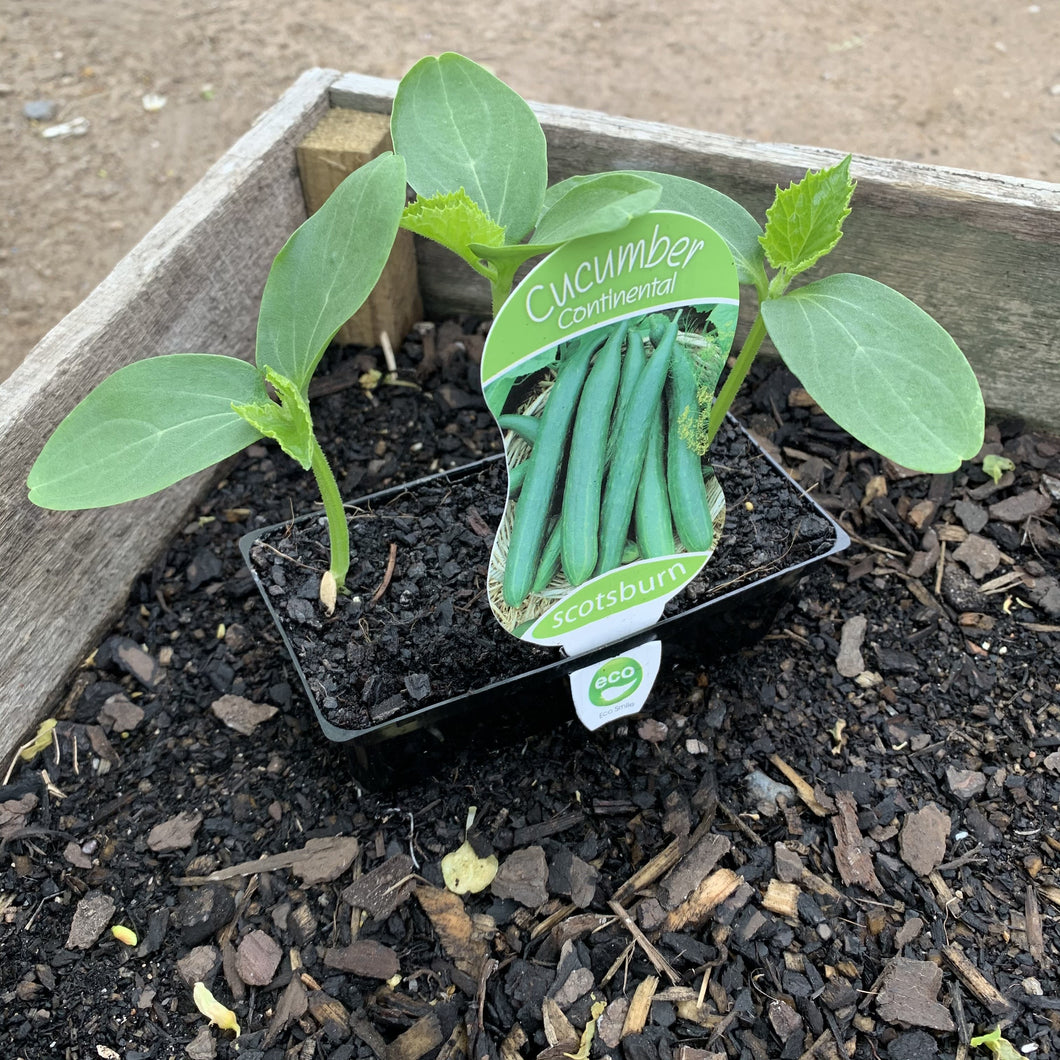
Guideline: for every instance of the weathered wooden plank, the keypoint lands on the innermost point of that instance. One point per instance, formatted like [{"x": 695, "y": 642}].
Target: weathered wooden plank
[
  {"x": 343, "y": 141},
  {"x": 192, "y": 284},
  {"x": 979, "y": 251}
]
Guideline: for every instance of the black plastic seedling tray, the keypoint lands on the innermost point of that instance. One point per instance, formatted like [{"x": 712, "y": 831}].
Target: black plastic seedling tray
[{"x": 504, "y": 712}]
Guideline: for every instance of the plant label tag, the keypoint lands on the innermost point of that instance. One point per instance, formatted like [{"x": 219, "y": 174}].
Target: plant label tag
[
  {"x": 600, "y": 369},
  {"x": 615, "y": 688}
]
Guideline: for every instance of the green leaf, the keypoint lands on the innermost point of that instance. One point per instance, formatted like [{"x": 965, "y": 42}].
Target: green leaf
[
  {"x": 588, "y": 206},
  {"x": 455, "y": 221},
  {"x": 328, "y": 267},
  {"x": 995, "y": 466},
  {"x": 148, "y": 425},
  {"x": 458, "y": 126},
  {"x": 882, "y": 369},
  {"x": 288, "y": 423},
  {"x": 575, "y": 208},
  {"x": 726, "y": 216},
  {"x": 806, "y": 219},
  {"x": 1002, "y": 1048}
]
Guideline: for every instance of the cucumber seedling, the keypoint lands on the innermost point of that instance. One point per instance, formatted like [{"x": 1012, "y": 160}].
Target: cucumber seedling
[
  {"x": 877, "y": 364},
  {"x": 160, "y": 419}
]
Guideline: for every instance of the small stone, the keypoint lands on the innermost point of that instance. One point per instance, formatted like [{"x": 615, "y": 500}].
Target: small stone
[
  {"x": 40, "y": 110},
  {"x": 257, "y": 959},
  {"x": 766, "y": 792},
  {"x": 784, "y": 1020},
  {"x": 1022, "y": 506},
  {"x": 961, "y": 591},
  {"x": 523, "y": 877},
  {"x": 909, "y": 931},
  {"x": 583, "y": 879},
  {"x": 927, "y": 556},
  {"x": 137, "y": 662},
  {"x": 120, "y": 714},
  {"x": 576, "y": 985},
  {"x": 240, "y": 714},
  {"x": 965, "y": 783},
  {"x": 922, "y": 841},
  {"x": 178, "y": 833},
  {"x": 200, "y": 965},
  {"x": 91, "y": 918},
  {"x": 205, "y": 566},
  {"x": 973, "y": 517},
  {"x": 76, "y": 856},
  {"x": 788, "y": 865},
  {"x": 418, "y": 686},
  {"x": 1045, "y": 593},
  {"x": 204, "y": 912},
  {"x": 913, "y": 1045},
  {"x": 979, "y": 554},
  {"x": 202, "y": 1046},
  {"x": 849, "y": 661}
]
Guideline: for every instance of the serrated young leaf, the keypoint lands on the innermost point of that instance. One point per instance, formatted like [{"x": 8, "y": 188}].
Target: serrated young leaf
[
  {"x": 806, "y": 219},
  {"x": 454, "y": 220},
  {"x": 287, "y": 423}
]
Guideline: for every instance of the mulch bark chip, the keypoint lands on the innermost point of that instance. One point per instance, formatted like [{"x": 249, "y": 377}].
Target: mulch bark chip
[{"x": 840, "y": 843}]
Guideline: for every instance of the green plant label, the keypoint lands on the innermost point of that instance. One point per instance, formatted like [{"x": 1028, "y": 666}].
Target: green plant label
[
  {"x": 601, "y": 369},
  {"x": 620, "y": 686}
]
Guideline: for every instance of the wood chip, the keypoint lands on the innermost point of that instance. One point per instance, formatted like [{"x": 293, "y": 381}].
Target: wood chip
[
  {"x": 640, "y": 1006},
  {"x": 659, "y": 962},
  {"x": 986, "y": 992},
  {"x": 692, "y": 869},
  {"x": 907, "y": 995},
  {"x": 91, "y": 917},
  {"x": 330, "y": 1013},
  {"x": 257, "y": 958},
  {"x": 922, "y": 840},
  {"x": 703, "y": 901},
  {"x": 805, "y": 792},
  {"x": 240, "y": 714},
  {"x": 382, "y": 890},
  {"x": 558, "y": 1029},
  {"x": 178, "y": 833},
  {"x": 319, "y": 861},
  {"x": 423, "y": 1036},
  {"x": 292, "y": 1006},
  {"x": 454, "y": 927},
  {"x": 1033, "y": 916},
  {"x": 781, "y": 898},
  {"x": 523, "y": 877},
  {"x": 364, "y": 957},
  {"x": 851, "y": 853}
]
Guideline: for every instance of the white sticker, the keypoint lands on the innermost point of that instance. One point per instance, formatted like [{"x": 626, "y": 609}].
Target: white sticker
[{"x": 616, "y": 688}]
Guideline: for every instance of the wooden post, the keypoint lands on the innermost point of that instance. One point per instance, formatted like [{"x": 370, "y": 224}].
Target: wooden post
[{"x": 343, "y": 141}]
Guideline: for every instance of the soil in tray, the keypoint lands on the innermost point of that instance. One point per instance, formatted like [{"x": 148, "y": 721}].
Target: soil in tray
[{"x": 417, "y": 627}]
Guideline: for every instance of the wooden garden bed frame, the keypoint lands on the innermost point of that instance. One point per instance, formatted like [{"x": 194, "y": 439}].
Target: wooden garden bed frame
[{"x": 980, "y": 252}]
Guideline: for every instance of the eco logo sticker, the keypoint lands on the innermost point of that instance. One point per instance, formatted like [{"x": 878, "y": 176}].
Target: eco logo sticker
[
  {"x": 614, "y": 680},
  {"x": 601, "y": 369},
  {"x": 616, "y": 688}
]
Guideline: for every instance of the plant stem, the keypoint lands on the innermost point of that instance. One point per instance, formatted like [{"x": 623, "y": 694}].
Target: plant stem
[
  {"x": 738, "y": 373},
  {"x": 338, "y": 529}
]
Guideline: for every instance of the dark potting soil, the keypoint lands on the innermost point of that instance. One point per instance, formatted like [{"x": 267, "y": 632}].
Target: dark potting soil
[
  {"x": 417, "y": 627},
  {"x": 842, "y": 843}
]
